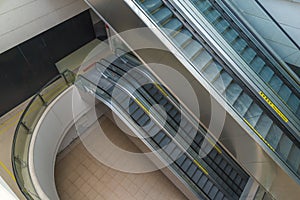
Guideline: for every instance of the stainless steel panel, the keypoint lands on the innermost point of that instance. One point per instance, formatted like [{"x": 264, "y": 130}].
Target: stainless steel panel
[{"x": 236, "y": 137}]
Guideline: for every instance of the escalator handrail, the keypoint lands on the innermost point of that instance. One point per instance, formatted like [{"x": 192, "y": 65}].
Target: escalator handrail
[{"x": 119, "y": 107}]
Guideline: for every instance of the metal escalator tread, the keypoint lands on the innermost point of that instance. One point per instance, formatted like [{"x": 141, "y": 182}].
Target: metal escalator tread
[
  {"x": 294, "y": 158},
  {"x": 284, "y": 146},
  {"x": 284, "y": 92},
  {"x": 266, "y": 72},
  {"x": 230, "y": 35},
  {"x": 162, "y": 15},
  {"x": 243, "y": 103},
  {"x": 248, "y": 54},
  {"x": 293, "y": 102},
  {"x": 223, "y": 81},
  {"x": 239, "y": 45},
  {"x": 275, "y": 83},
  {"x": 204, "y": 5},
  {"x": 151, "y": 5},
  {"x": 253, "y": 114},
  {"x": 263, "y": 125},
  {"x": 222, "y": 26},
  {"x": 182, "y": 37},
  {"x": 212, "y": 71},
  {"x": 232, "y": 92},
  {"x": 172, "y": 26},
  {"x": 257, "y": 64},
  {"x": 213, "y": 16},
  {"x": 202, "y": 60},
  {"x": 192, "y": 48},
  {"x": 188, "y": 128},
  {"x": 160, "y": 138}
]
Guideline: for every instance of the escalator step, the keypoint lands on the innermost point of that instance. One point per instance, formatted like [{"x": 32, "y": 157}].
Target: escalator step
[
  {"x": 243, "y": 103},
  {"x": 213, "y": 16},
  {"x": 176, "y": 154},
  {"x": 186, "y": 164},
  {"x": 182, "y": 37},
  {"x": 228, "y": 169},
  {"x": 233, "y": 92},
  {"x": 213, "y": 192},
  {"x": 222, "y": 26},
  {"x": 173, "y": 112},
  {"x": 284, "y": 92},
  {"x": 154, "y": 130},
  {"x": 284, "y": 146},
  {"x": 170, "y": 148},
  {"x": 165, "y": 141},
  {"x": 275, "y": 83},
  {"x": 204, "y": 5},
  {"x": 257, "y": 64},
  {"x": 172, "y": 26},
  {"x": 151, "y": 5},
  {"x": 222, "y": 82},
  {"x": 162, "y": 15},
  {"x": 181, "y": 159},
  {"x": 274, "y": 136},
  {"x": 192, "y": 48},
  {"x": 191, "y": 171},
  {"x": 293, "y": 102},
  {"x": 197, "y": 176},
  {"x": 263, "y": 125},
  {"x": 253, "y": 114},
  {"x": 212, "y": 154},
  {"x": 207, "y": 187},
  {"x": 248, "y": 54},
  {"x": 202, "y": 60},
  {"x": 158, "y": 137},
  {"x": 202, "y": 181},
  {"x": 212, "y": 71},
  {"x": 266, "y": 74},
  {"x": 143, "y": 120},
  {"x": 220, "y": 196},
  {"x": 233, "y": 174},
  {"x": 239, "y": 45},
  {"x": 138, "y": 114},
  {"x": 230, "y": 35},
  {"x": 294, "y": 158},
  {"x": 177, "y": 118}
]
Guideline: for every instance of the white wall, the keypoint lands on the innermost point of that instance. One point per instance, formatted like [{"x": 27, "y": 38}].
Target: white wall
[
  {"x": 21, "y": 20},
  {"x": 47, "y": 137},
  {"x": 287, "y": 13}
]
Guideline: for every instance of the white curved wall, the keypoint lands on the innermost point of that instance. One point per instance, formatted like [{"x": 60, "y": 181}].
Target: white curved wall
[{"x": 47, "y": 137}]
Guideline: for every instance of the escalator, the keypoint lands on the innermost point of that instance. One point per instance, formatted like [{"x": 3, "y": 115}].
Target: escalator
[
  {"x": 267, "y": 69},
  {"x": 214, "y": 176},
  {"x": 269, "y": 129}
]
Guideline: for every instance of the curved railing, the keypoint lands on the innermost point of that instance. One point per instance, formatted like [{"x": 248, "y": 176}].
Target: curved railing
[{"x": 26, "y": 125}]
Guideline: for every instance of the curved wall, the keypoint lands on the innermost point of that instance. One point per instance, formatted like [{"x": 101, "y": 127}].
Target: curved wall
[{"x": 47, "y": 137}]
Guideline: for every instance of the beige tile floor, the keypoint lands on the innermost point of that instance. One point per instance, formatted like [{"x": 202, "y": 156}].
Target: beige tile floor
[{"x": 80, "y": 176}]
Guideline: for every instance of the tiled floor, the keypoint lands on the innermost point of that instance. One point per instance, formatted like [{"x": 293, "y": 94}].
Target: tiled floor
[{"x": 80, "y": 176}]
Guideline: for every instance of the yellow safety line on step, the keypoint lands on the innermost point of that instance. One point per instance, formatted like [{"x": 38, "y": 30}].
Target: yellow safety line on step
[
  {"x": 160, "y": 89},
  {"x": 201, "y": 167},
  {"x": 272, "y": 105},
  {"x": 142, "y": 106},
  {"x": 259, "y": 135},
  {"x": 7, "y": 171}
]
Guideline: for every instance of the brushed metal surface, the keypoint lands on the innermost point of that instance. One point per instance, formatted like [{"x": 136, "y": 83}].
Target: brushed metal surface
[{"x": 236, "y": 137}]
